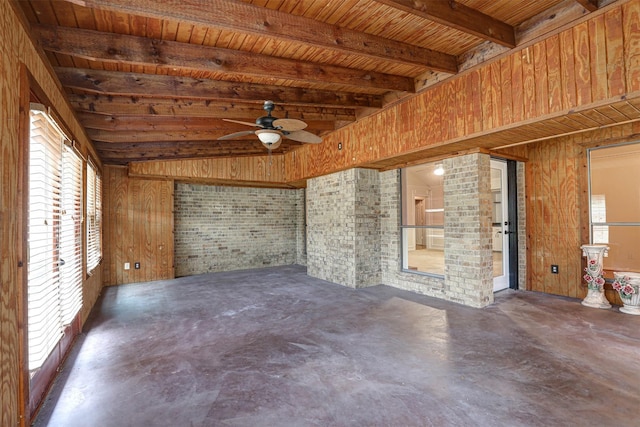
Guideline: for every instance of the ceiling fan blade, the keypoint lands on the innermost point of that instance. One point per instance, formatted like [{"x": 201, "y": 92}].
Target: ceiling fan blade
[
  {"x": 290, "y": 125},
  {"x": 237, "y": 135},
  {"x": 242, "y": 123},
  {"x": 303, "y": 136}
]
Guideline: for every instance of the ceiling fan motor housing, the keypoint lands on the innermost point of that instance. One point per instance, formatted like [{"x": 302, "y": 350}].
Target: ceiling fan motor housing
[{"x": 266, "y": 122}]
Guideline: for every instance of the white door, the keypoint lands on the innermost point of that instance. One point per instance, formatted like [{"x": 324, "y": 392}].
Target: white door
[
  {"x": 500, "y": 230},
  {"x": 420, "y": 219}
]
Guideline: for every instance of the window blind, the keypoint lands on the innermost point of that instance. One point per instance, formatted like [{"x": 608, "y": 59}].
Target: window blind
[
  {"x": 71, "y": 236},
  {"x": 94, "y": 217},
  {"x": 54, "y": 236}
]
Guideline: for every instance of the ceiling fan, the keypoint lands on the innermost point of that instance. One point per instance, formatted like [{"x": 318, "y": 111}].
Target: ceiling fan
[{"x": 272, "y": 129}]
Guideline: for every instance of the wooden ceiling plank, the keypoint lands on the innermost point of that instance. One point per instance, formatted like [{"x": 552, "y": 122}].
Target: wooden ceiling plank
[
  {"x": 44, "y": 12},
  {"x": 116, "y": 48},
  {"x": 30, "y": 14},
  {"x": 585, "y": 121},
  {"x": 65, "y": 14},
  {"x": 457, "y": 15},
  {"x": 616, "y": 114},
  {"x": 628, "y": 109},
  {"x": 598, "y": 117},
  {"x": 120, "y": 22},
  {"x": 133, "y": 84},
  {"x": 248, "y": 19},
  {"x": 84, "y": 18},
  {"x": 184, "y": 33},
  {"x": 160, "y": 107}
]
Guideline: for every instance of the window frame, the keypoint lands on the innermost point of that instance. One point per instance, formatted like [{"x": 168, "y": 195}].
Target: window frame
[
  {"x": 603, "y": 226},
  {"x": 404, "y": 227}
]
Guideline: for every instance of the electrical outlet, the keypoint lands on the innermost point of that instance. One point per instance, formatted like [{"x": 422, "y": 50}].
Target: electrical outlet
[
  {"x": 136, "y": 266},
  {"x": 554, "y": 269},
  {"x": 127, "y": 266}
]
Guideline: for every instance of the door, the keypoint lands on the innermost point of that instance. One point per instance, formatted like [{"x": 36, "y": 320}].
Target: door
[
  {"x": 420, "y": 220},
  {"x": 500, "y": 220}
]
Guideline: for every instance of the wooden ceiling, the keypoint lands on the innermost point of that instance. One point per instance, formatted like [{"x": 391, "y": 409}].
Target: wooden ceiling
[{"x": 154, "y": 79}]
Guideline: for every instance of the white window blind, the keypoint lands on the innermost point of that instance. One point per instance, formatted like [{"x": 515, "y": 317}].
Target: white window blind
[
  {"x": 71, "y": 236},
  {"x": 94, "y": 217},
  {"x": 54, "y": 236}
]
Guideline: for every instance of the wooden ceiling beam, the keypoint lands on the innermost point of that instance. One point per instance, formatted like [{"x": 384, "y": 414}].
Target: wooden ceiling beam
[
  {"x": 122, "y": 154},
  {"x": 162, "y": 123},
  {"x": 590, "y": 5},
  {"x": 163, "y": 136},
  {"x": 118, "y": 48},
  {"x": 125, "y": 150},
  {"x": 167, "y": 108},
  {"x": 456, "y": 15},
  {"x": 249, "y": 19},
  {"x": 136, "y": 84},
  {"x": 157, "y": 136}
]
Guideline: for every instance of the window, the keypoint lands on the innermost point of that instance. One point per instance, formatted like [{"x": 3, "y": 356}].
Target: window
[
  {"x": 423, "y": 219},
  {"x": 614, "y": 187},
  {"x": 54, "y": 236},
  {"x": 94, "y": 218}
]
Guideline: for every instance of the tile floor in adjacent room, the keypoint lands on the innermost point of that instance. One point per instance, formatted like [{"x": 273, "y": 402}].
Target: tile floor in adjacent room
[{"x": 275, "y": 347}]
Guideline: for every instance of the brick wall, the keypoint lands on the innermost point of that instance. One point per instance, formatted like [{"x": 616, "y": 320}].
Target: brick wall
[
  {"x": 342, "y": 209},
  {"x": 230, "y": 228}
]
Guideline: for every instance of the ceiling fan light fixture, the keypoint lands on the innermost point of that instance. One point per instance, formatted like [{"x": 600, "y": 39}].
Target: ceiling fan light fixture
[
  {"x": 273, "y": 146},
  {"x": 269, "y": 137}
]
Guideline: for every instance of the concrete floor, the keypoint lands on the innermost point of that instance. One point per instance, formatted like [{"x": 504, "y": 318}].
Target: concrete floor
[{"x": 274, "y": 347}]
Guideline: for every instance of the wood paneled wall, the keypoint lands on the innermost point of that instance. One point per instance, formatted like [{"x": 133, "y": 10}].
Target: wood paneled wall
[
  {"x": 138, "y": 227},
  {"x": 263, "y": 170},
  {"x": 557, "y": 211},
  {"x": 593, "y": 63},
  {"x": 22, "y": 70}
]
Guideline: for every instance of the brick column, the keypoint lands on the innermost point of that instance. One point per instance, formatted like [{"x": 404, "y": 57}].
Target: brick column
[
  {"x": 467, "y": 230},
  {"x": 343, "y": 228}
]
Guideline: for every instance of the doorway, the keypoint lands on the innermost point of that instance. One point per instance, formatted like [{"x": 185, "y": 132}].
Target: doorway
[{"x": 504, "y": 233}]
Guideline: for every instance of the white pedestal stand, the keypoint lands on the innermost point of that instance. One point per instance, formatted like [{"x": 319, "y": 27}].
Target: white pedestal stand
[
  {"x": 595, "y": 296},
  {"x": 631, "y": 305}
]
